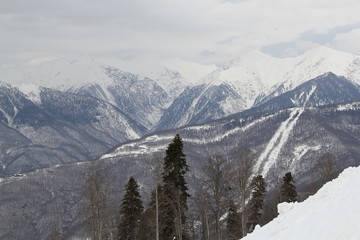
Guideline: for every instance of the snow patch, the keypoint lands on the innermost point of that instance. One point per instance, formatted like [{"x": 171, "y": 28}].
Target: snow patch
[
  {"x": 269, "y": 156},
  {"x": 300, "y": 151},
  {"x": 7, "y": 116},
  {"x": 157, "y": 143},
  {"x": 350, "y": 106},
  {"x": 31, "y": 91},
  {"x": 285, "y": 207},
  {"x": 141, "y": 147}
]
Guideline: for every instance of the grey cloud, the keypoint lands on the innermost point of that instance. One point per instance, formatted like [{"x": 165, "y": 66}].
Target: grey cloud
[
  {"x": 329, "y": 36},
  {"x": 162, "y": 28},
  {"x": 229, "y": 40},
  {"x": 311, "y": 36},
  {"x": 277, "y": 50},
  {"x": 207, "y": 53}
]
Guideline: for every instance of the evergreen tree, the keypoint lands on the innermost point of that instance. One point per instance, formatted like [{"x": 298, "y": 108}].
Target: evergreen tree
[
  {"x": 130, "y": 211},
  {"x": 256, "y": 202},
  {"x": 173, "y": 200},
  {"x": 288, "y": 190},
  {"x": 233, "y": 223}
]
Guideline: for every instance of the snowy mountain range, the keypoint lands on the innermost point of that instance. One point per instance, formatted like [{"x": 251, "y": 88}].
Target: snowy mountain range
[
  {"x": 282, "y": 138},
  {"x": 57, "y": 115},
  {"x": 59, "y": 128},
  {"x": 181, "y": 93},
  {"x": 287, "y": 140},
  {"x": 176, "y": 93},
  {"x": 251, "y": 80}
]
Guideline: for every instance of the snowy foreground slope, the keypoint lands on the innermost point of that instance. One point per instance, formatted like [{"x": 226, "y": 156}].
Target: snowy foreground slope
[{"x": 332, "y": 213}]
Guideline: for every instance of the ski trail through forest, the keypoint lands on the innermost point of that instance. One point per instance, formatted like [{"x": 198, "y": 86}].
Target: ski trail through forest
[{"x": 268, "y": 158}]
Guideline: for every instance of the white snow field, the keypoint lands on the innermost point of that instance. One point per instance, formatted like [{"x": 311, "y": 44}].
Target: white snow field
[{"x": 333, "y": 213}]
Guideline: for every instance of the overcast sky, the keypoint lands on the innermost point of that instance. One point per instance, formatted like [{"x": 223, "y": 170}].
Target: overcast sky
[{"x": 206, "y": 31}]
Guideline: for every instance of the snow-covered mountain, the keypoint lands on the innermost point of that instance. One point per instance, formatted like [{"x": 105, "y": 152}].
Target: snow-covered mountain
[
  {"x": 291, "y": 139},
  {"x": 284, "y": 134},
  {"x": 62, "y": 111},
  {"x": 332, "y": 213},
  {"x": 327, "y": 89},
  {"x": 173, "y": 75},
  {"x": 59, "y": 74},
  {"x": 134, "y": 105},
  {"x": 174, "y": 93},
  {"x": 143, "y": 94},
  {"x": 58, "y": 128},
  {"x": 286, "y": 137},
  {"x": 139, "y": 97},
  {"x": 252, "y": 79}
]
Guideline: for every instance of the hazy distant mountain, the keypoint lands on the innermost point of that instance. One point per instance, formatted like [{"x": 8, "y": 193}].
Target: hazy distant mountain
[
  {"x": 327, "y": 89},
  {"x": 253, "y": 79},
  {"x": 173, "y": 75},
  {"x": 142, "y": 94},
  {"x": 175, "y": 93}
]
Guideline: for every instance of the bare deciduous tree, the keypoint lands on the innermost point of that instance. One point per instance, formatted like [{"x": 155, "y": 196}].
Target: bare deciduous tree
[
  {"x": 326, "y": 167},
  {"x": 244, "y": 169},
  {"x": 217, "y": 185},
  {"x": 55, "y": 233},
  {"x": 96, "y": 194},
  {"x": 201, "y": 203},
  {"x": 155, "y": 165}
]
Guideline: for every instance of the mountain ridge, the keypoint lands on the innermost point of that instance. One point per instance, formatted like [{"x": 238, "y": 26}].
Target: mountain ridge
[
  {"x": 256, "y": 78},
  {"x": 301, "y": 135}
]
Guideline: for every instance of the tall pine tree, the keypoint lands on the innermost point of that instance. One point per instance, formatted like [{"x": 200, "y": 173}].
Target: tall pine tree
[
  {"x": 255, "y": 205},
  {"x": 173, "y": 200},
  {"x": 130, "y": 211},
  {"x": 288, "y": 190}
]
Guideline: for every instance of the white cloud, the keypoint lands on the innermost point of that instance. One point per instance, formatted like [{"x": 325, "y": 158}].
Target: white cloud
[
  {"x": 38, "y": 61},
  {"x": 348, "y": 42},
  {"x": 299, "y": 48},
  {"x": 162, "y": 29}
]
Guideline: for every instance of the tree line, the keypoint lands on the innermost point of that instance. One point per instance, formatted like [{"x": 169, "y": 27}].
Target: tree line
[{"x": 227, "y": 194}]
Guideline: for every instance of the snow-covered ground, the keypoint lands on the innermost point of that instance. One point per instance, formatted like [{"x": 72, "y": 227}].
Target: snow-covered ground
[{"x": 332, "y": 213}]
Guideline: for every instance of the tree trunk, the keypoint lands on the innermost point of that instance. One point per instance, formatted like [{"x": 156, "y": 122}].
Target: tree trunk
[
  {"x": 207, "y": 227},
  {"x": 217, "y": 222},
  {"x": 157, "y": 212},
  {"x": 243, "y": 218}
]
